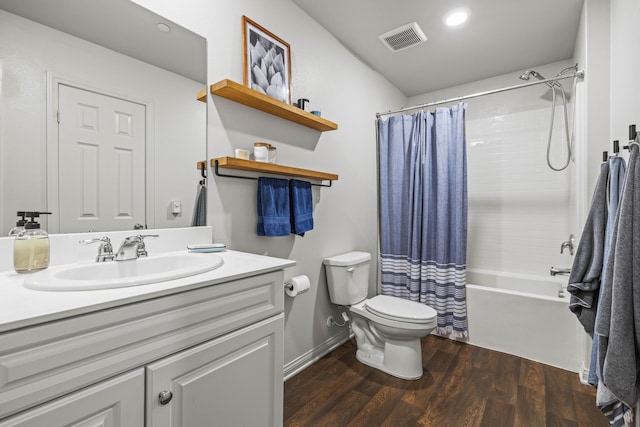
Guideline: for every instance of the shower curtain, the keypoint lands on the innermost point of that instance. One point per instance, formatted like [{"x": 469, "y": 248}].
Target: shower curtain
[{"x": 423, "y": 212}]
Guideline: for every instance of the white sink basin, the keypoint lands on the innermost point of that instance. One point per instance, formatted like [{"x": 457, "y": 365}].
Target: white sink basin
[{"x": 119, "y": 274}]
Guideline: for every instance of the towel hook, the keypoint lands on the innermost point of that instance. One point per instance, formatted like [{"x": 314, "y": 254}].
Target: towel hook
[
  {"x": 203, "y": 173},
  {"x": 632, "y": 136}
]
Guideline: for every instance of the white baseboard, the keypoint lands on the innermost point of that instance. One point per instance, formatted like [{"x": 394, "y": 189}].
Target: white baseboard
[
  {"x": 584, "y": 375},
  {"x": 313, "y": 355}
]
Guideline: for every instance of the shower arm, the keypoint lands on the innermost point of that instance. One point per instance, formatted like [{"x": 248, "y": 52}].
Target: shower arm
[{"x": 577, "y": 74}]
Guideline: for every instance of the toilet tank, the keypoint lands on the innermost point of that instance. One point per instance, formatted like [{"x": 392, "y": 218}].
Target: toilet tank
[{"x": 348, "y": 277}]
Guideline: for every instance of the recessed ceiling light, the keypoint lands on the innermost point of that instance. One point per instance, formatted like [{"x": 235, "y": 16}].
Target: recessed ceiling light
[
  {"x": 456, "y": 17},
  {"x": 163, "y": 27}
]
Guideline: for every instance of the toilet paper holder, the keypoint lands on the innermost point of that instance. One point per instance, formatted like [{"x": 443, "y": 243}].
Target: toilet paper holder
[{"x": 297, "y": 285}]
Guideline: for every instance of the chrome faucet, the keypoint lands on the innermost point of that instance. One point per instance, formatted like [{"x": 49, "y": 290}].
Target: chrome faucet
[
  {"x": 105, "y": 250},
  {"x": 559, "y": 271},
  {"x": 133, "y": 247},
  {"x": 567, "y": 244}
]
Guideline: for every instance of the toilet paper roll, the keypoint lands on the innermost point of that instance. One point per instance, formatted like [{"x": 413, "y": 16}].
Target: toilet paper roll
[{"x": 297, "y": 285}]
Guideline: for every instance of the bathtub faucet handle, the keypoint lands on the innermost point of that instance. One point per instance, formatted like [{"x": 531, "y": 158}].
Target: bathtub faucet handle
[
  {"x": 559, "y": 271},
  {"x": 567, "y": 244}
]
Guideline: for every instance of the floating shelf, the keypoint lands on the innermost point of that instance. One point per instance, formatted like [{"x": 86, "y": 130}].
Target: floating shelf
[
  {"x": 253, "y": 166},
  {"x": 202, "y": 95},
  {"x": 251, "y": 98}
]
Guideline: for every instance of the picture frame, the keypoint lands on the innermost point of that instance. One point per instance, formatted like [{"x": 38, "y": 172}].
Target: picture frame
[{"x": 266, "y": 61}]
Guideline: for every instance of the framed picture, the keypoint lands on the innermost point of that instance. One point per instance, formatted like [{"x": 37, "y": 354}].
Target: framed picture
[{"x": 266, "y": 61}]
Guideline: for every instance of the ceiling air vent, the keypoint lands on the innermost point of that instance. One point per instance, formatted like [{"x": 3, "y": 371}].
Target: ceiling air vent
[{"x": 403, "y": 37}]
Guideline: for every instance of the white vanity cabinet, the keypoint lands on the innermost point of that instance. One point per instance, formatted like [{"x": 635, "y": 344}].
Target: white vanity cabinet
[
  {"x": 229, "y": 381},
  {"x": 114, "y": 402},
  {"x": 215, "y": 353}
]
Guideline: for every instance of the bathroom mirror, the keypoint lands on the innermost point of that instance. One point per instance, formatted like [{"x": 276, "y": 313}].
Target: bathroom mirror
[{"x": 99, "y": 119}]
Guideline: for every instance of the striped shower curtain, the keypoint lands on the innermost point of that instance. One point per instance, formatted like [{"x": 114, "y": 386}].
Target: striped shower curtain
[{"x": 423, "y": 212}]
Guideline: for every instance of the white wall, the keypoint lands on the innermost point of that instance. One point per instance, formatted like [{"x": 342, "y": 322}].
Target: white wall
[
  {"x": 625, "y": 62},
  {"x": 593, "y": 124},
  {"x": 606, "y": 44},
  {"x": 176, "y": 139},
  {"x": 595, "y": 47},
  {"x": 519, "y": 211},
  {"x": 607, "y": 41},
  {"x": 349, "y": 94}
]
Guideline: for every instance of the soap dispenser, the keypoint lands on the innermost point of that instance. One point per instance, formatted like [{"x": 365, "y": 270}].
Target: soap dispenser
[
  {"x": 31, "y": 246},
  {"x": 19, "y": 225}
]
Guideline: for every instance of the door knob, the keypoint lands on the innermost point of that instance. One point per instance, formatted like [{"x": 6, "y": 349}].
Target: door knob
[{"x": 165, "y": 397}]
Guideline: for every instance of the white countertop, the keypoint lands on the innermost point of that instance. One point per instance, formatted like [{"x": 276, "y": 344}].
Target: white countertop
[{"x": 20, "y": 307}]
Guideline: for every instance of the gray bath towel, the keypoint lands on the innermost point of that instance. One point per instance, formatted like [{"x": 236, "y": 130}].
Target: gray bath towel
[
  {"x": 200, "y": 210},
  {"x": 618, "y": 414},
  {"x": 617, "y": 171},
  {"x": 619, "y": 318},
  {"x": 584, "y": 281}
]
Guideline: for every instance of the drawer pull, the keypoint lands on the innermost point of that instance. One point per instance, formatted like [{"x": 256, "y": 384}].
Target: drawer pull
[{"x": 165, "y": 397}]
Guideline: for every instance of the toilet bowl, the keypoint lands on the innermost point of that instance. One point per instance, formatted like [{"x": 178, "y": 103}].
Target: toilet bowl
[
  {"x": 387, "y": 329},
  {"x": 388, "y": 338}
]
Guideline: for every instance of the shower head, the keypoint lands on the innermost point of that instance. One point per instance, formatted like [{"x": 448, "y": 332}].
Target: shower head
[{"x": 528, "y": 73}]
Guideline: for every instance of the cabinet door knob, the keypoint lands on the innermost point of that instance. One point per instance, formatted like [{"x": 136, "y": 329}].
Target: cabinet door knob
[{"x": 165, "y": 397}]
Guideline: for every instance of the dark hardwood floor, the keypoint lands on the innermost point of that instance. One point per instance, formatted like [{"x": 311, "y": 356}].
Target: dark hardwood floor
[{"x": 462, "y": 385}]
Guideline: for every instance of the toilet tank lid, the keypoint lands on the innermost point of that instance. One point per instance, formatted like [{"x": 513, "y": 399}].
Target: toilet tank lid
[{"x": 350, "y": 258}]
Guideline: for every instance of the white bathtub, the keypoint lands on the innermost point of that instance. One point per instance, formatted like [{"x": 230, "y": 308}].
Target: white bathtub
[{"x": 523, "y": 316}]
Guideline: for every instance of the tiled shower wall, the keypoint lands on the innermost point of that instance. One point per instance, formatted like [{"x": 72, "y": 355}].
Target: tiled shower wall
[{"x": 520, "y": 211}]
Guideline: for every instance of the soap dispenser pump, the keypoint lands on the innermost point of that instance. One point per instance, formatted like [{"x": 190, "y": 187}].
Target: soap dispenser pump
[
  {"x": 31, "y": 246},
  {"x": 19, "y": 224}
]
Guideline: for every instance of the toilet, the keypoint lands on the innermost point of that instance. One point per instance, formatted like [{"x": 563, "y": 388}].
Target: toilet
[{"x": 387, "y": 329}]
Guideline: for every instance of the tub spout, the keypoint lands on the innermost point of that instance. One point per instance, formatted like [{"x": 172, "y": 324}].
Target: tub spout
[{"x": 559, "y": 271}]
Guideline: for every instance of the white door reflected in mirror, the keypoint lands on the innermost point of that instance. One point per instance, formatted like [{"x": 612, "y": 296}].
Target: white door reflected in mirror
[{"x": 101, "y": 163}]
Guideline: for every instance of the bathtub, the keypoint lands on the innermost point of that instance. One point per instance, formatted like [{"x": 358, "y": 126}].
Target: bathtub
[{"x": 527, "y": 316}]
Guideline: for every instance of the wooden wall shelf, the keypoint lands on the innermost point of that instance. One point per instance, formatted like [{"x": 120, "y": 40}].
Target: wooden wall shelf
[
  {"x": 202, "y": 95},
  {"x": 253, "y": 166},
  {"x": 251, "y": 98}
]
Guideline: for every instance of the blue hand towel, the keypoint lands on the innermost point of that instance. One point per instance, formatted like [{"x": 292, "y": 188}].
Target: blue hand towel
[
  {"x": 301, "y": 206},
  {"x": 273, "y": 207}
]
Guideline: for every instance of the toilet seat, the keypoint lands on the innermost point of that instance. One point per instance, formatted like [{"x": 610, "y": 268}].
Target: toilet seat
[{"x": 400, "y": 310}]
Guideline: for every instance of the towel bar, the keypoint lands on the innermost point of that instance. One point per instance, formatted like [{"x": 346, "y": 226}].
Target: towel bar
[{"x": 216, "y": 170}]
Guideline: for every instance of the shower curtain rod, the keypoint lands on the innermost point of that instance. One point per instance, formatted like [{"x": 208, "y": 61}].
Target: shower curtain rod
[{"x": 579, "y": 74}]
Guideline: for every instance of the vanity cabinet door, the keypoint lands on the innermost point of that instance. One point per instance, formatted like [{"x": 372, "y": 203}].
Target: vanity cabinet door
[
  {"x": 116, "y": 402},
  {"x": 234, "y": 380}
]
